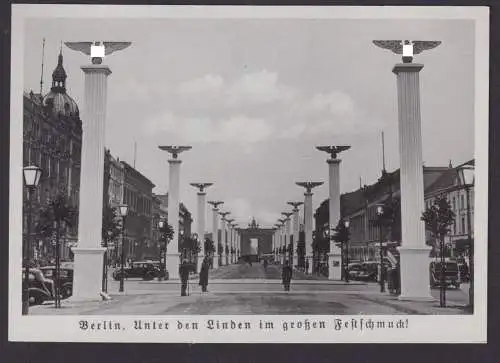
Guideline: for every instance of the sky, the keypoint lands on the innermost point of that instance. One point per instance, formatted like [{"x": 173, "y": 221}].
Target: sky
[{"x": 253, "y": 97}]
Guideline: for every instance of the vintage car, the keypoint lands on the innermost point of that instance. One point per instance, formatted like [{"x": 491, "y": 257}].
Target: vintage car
[
  {"x": 450, "y": 272},
  {"x": 368, "y": 271},
  {"x": 65, "y": 279},
  {"x": 40, "y": 288},
  {"x": 147, "y": 270}
]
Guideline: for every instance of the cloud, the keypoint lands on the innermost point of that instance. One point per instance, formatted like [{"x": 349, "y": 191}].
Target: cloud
[
  {"x": 208, "y": 85},
  {"x": 235, "y": 129},
  {"x": 243, "y": 211},
  {"x": 335, "y": 103}
]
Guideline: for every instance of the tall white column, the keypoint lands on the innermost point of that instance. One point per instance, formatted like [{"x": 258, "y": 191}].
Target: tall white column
[
  {"x": 288, "y": 235},
  {"x": 413, "y": 251},
  {"x": 335, "y": 255},
  {"x": 230, "y": 244},
  {"x": 87, "y": 280},
  {"x": 201, "y": 226},
  {"x": 308, "y": 224},
  {"x": 215, "y": 230},
  {"x": 202, "y": 212},
  {"x": 173, "y": 255},
  {"x": 296, "y": 226},
  {"x": 223, "y": 238}
]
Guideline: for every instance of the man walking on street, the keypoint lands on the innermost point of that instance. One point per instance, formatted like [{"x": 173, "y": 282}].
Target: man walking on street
[
  {"x": 184, "y": 275},
  {"x": 286, "y": 276},
  {"x": 204, "y": 274}
]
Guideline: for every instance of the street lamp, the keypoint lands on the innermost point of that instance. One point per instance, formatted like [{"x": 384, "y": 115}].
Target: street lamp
[
  {"x": 123, "y": 210},
  {"x": 347, "y": 223},
  {"x": 380, "y": 212},
  {"x": 32, "y": 176},
  {"x": 466, "y": 179}
]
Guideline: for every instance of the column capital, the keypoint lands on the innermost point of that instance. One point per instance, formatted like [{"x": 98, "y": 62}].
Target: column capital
[
  {"x": 96, "y": 68},
  {"x": 201, "y": 193},
  {"x": 174, "y": 161},
  {"x": 308, "y": 194},
  {"x": 334, "y": 161},
  {"x": 407, "y": 67}
]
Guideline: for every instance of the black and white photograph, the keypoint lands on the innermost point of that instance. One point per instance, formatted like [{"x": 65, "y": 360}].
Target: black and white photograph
[{"x": 248, "y": 174}]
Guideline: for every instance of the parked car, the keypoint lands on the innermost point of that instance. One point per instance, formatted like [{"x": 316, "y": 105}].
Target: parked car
[
  {"x": 146, "y": 270},
  {"x": 368, "y": 271},
  {"x": 354, "y": 270},
  {"x": 451, "y": 274},
  {"x": 65, "y": 279},
  {"x": 40, "y": 288}
]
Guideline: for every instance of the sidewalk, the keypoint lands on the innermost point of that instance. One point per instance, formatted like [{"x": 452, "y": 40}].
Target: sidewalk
[
  {"x": 416, "y": 307},
  {"x": 263, "y": 281}
]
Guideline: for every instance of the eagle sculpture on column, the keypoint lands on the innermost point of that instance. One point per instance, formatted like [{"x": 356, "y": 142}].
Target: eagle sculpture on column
[
  {"x": 86, "y": 47},
  {"x": 175, "y": 150},
  {"x": 396, "y": 46},
  {"x": 333, "y": 150}
]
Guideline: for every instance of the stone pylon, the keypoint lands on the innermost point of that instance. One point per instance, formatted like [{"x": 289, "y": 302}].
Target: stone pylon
[
  {"x": 414, "y": 253},
  {"x": 202, "y": 212},
  {"x": 288, "y": 236},
  {"x": 229, "y": 256},
  {"x": 215, "y": 229},
  {"x": 223, "y": 237},
  {"x": 296, "y": 232},
  {"x": 276, "y": 239},
  {"x": 308, "y": 221},
  {"x": 335, "y": 255},
  {"x": 172, "y": 256},
  {"x": 89, "y": 253}
]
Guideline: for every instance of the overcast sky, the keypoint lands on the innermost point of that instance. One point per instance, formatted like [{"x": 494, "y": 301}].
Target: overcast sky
[{"x": 254, "y": 98}]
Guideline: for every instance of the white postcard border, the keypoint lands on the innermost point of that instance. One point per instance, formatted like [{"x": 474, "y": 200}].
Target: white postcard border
[{"x": 421, "y": 328}]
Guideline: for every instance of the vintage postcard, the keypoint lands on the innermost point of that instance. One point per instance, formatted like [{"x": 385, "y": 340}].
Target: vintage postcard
[{"x": 248, "y": 174}]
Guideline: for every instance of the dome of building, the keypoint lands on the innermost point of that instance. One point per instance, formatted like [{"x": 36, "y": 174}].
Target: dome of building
[{"x": 57, "y": 101}]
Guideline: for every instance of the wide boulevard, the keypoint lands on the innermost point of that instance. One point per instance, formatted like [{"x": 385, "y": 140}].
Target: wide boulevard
[{"x": 245, "y": 289}]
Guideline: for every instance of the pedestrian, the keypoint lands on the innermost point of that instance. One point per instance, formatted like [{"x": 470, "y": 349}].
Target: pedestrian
[
  {"x": 204, "y": 274},
  {"x": 307, "y": 266},
  {"x": 286, "y": 275},
  {"x": 184, "y": 275},
  {"x": 265, "y": 264}
]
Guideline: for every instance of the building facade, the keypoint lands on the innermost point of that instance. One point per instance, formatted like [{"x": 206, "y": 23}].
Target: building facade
[
  {"x": 360, "y": 207},
  {"x": 52, "y": 138},
  {"x": 138, "y": 195}
]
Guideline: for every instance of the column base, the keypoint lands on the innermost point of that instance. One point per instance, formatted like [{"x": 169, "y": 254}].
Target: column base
[
  {"x": 87, "y": 278},
  {"x": 334, "y": 267},
  {"x": 414, "y": 262},
  {"x": 172, "y": 265}
]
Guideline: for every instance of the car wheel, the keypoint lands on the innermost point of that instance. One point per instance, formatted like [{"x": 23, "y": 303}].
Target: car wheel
[
  {"x": 36, "y": 299},
  {"x": 148, "y": 277},
  {"x": 66, "y": 291}
]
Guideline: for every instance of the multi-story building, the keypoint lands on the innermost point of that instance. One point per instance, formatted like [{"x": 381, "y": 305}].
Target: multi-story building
[
  {"x": 52, "y": 137},
  {"x": 360, "y": 207},
  {"x": 116, "y": 180},
  {"x": 185, "y": 217},
  {"x": 138, "y": 195}
]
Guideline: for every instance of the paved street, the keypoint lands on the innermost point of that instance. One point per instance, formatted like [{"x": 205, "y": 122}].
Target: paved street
[{"x": 244, "y": 289}]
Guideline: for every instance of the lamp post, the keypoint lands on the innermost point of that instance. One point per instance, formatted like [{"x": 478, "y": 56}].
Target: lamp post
[
  {"x": 32, "y": 176},
  {"x": 466, "y": 178},
  {"x": 123, "y": 209},
  {"x": 380, "y": 212},
  {"x": 347, "y": 223}
]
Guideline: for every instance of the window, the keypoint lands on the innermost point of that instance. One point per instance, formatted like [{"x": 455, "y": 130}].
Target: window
[
  {"x": 463, "y": 225},
  {"x": 454, "y": 203},
  {"x": 462, "y": 201},
  {"x": 454, "y": 230}
]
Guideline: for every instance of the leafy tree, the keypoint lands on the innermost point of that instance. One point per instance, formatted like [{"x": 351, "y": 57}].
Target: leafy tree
[
  {"x": 438, "y": 218},
  {"x": 166, "y": 233},
  {"x": 209, "y": 246},
  {"x": 190, "y": 244},
  {"x": 111, "y": 224},
  {"x": 56, "y": 212}
]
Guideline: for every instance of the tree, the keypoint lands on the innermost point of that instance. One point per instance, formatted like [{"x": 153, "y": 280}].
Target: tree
[
  {"x": 438, "y": 218},
  {"x": 55, "y": 215},
  {"x": 111, "y": 224},
  {"x": 341, "y": 237},
  {"x": 209, "y": 246},
  {"x": 190, "y": 244}
]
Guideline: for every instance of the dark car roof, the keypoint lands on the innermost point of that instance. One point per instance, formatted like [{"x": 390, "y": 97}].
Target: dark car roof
[{"x": 53, "y": 267}]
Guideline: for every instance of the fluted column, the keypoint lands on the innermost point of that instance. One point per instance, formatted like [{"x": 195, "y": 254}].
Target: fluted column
[
  {"x": 335, "y": 255},
  {"x": 87, "y": 281},
  {"x": 215, "y": 231},
  {"x": 173, "y": 255},
  {"x": 308, "y": 228},
  {"x": 296, "y": 226},
  {"x": 413, "y": 251}
]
